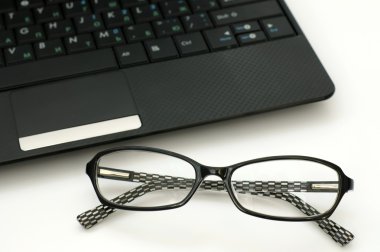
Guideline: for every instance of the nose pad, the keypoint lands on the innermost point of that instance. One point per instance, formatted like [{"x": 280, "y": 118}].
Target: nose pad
[{"x": 220, "y": 172}]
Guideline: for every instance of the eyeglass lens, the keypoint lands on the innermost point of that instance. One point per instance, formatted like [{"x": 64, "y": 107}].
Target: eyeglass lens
[
  {"x": 144, "y": 179},
  {"x": 286, "y": 188}
]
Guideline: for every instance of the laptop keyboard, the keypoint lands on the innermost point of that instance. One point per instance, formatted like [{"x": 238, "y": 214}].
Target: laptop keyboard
[{"x": 53, "y": 39}]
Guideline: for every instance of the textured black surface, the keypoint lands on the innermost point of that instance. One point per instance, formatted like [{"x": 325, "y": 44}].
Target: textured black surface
[
  {"x": 71, "y": 103},
  {"x": 230, "y": 83},
  {"x": 202, "y": 89}
]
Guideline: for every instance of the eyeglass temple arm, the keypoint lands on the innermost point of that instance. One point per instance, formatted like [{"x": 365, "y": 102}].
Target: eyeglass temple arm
[
  {"x": 92, "y": 217},
  {"x": 288, "y": 186},
  {"x": 273, "y": 186}
]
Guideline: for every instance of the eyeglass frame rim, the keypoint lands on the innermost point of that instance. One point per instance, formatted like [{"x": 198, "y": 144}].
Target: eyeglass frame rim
[{"x": 202, "y": 171}]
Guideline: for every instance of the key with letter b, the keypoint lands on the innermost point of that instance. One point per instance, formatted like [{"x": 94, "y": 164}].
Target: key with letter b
[{"x": 50, "y": 48}]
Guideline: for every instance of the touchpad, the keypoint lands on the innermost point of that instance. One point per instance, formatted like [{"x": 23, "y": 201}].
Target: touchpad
[{"x": 74, "y": 109}]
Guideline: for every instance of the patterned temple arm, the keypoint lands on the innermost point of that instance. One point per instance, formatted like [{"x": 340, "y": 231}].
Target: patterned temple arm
[{"x": 280, "y": 190}]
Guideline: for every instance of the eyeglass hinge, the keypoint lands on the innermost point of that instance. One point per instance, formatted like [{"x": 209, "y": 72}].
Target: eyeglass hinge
[
  {"x": 114, "y": 173},
  {"x": 325, "y": 186}
]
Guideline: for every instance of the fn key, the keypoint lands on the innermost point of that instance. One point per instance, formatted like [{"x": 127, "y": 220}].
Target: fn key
[{"x": 161, "y": 49}]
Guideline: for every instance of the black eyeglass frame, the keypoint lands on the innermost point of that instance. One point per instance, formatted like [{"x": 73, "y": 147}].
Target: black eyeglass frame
[{"x": 202, "y": 171}]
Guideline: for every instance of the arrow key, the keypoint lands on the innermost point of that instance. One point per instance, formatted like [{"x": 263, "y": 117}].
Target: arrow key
[
  {"x": 220, "y": 38},
  {"x": 251, "y": 38},
  {"x": 278, "y": 27}
]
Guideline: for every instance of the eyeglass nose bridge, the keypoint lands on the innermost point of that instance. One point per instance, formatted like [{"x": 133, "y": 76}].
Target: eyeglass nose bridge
[{"x": 220, "y": 172}]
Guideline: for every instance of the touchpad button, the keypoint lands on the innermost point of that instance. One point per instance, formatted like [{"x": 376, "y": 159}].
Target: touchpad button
[{"x": 74, "y": 109}]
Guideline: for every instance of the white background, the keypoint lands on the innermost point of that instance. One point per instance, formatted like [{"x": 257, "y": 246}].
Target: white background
[{"x": 40, "y": 199}]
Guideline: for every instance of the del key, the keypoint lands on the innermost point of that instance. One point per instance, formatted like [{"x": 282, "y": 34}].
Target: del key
[{"x": 246, "y": 12}]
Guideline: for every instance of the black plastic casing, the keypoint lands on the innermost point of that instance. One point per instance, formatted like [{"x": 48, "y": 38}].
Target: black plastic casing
[{"x": 201, "y": 89}]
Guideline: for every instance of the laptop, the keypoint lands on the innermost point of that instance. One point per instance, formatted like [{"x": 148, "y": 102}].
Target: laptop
[{"x": 80, "y": 73}]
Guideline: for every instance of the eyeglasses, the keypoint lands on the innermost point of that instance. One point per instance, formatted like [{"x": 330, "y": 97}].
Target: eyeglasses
[{"x": 284, "y": 188}]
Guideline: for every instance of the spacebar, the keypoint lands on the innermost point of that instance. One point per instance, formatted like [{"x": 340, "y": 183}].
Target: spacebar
[{"x": 57, "y": 68}]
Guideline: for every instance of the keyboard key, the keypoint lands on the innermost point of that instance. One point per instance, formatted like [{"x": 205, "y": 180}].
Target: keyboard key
[
  {"x": 251, "y": 38},
  {"x": 131, "y": 55},
  {"x": 19, "y": 54},
  {"x": 7, "y": 39},
  {"x": 48, "y": 49},
  {"x": 109, "y": 38},
  {"x": 76, "y": 8},
  {"x": 220, "y": 38},
  {"x": 246, "y": 27},
  {"x": 161, "y": 49},
  {"x": 73, "y": 26},
  {"x": 6, "y": 6},
  {"x": 57, "y": 68},
  {"x": 146, "y": 13},
  {"x": 48, "y": 14},
  {"x": 278, "y": 27},
  {"x": 246, "y": 12},
  {"x": 228, "y": 3},
  {"x": 19, "y": 18},
  {"x": 27, "y": 4},
  {"x": 136, "y": 33},
  {"x": 196, "y": 22},
  {"x": 117, "y": 18},
  {"x": 203, "y": 5},
  {"x": 190, "y": 44},
  {"x": 88, "y": 23},
  {"x": 174, "y": 8},
  {"x": 167, "y": 27},
  {"x": 132, "y": 3},
  {"x": 30, "y": 34},
  {"x": 104, "y": 5},
  {"x": 79, "y": 43},
  {"x": 51, "y": 2},
  {"x": 58, "y": 29}
]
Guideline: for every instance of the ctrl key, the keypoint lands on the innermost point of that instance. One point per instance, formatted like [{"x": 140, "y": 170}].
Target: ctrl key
[
  {"x": 130, "y": 55},
  {"x": 190, "y": 44}
]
